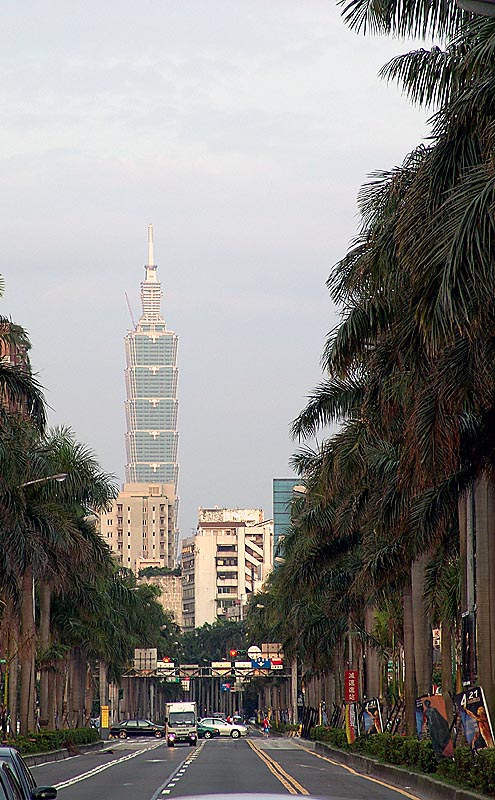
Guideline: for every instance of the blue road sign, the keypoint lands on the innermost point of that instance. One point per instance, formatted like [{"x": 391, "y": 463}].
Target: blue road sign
[{"x": 261, "y": 663}]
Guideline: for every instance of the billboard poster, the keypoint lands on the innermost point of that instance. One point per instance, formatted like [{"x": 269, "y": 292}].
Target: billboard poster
[
  {"x": 372, "y": 717},
  {"x": 432, "y": 723},
  {"x": 351, "y": 722},
  {"x": 475, "y": 719}
]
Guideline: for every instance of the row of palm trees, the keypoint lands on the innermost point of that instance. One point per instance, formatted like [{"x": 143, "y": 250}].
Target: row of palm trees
[
  {"x": 66, "y": 608},
  {"x": 396, "y": 531}
]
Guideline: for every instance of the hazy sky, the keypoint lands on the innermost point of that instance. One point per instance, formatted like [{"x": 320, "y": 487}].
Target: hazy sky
[{"x": 242, "y": 129}]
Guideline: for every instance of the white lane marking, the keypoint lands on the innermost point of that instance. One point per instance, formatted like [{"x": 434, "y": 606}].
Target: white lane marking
[
  {"x": 177, "y": 775},
  {"x": 103, "y": 767}
]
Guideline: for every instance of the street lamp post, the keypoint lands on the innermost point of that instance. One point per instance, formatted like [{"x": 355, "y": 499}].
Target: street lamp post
[{"x": 59, "y": 478}]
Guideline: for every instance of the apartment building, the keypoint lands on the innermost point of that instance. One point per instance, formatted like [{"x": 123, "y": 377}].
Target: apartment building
[
  {"x": 140, "y": 526},
  {"x": 230, "y": 556}
]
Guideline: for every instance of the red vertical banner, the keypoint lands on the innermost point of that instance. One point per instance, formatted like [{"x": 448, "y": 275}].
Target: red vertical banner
[{"x": 351, "y": 686}]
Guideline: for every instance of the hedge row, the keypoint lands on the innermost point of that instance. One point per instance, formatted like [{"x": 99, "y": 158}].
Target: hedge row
[
  {"x": 405, "y": 751},
  {"x": 472, "y": 773},
  {"x": 283, "y": 727},
  {"x": 464, "y": 769},
  {"x": 45, "y": 741}
]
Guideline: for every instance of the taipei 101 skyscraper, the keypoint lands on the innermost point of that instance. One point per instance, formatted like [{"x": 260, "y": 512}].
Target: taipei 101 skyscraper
[{"x": 151, "y": 390}]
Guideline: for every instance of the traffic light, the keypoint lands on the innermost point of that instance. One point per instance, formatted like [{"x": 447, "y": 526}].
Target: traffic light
[{"x": 232, "y": 652}]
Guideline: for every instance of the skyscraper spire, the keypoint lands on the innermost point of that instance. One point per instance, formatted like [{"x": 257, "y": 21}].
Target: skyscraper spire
[
  {"x": 151, "y": 262},
  {"x": 150, "y": 288}
]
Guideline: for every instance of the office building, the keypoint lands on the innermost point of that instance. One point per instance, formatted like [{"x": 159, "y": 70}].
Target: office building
[
  {"x": 151, "y": 389},
  {"x": 229, "y": 557},
  {"x": 283, "y": 494}
]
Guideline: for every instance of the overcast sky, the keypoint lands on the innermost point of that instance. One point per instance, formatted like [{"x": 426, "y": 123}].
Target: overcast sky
[{"x": 242, "y": 129}]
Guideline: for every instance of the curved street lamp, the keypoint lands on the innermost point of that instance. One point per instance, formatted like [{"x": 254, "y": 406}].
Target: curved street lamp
[{"x": 60, "y": 477}]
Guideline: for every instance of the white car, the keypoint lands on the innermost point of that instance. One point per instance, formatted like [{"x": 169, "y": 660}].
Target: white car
[{"x": 232, "y": 729}]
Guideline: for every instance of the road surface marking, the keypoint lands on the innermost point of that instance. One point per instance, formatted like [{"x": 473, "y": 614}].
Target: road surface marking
[
  {"x": 366, "y": 777},
  {"x": 103, "y": 767},
  {"x": 173, "y": 779},
  {"x": 288, "y": 781}
]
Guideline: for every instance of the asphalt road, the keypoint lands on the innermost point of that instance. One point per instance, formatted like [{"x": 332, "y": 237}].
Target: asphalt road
[{"x": 149, "y": 770}]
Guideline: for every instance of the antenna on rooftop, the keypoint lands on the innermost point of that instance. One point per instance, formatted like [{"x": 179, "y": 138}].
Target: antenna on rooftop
[{"x": 150, "y": 246}]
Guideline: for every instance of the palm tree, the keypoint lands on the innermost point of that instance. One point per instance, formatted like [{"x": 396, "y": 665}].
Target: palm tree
[
  {"x": 20, "y": 393},
  {"x": 43, "y": 535}
]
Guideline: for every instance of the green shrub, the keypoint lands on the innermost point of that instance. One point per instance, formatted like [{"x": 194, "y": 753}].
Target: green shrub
[
  {"x": 411, "y": 751},
  {"x": 333, "y": 736},
  {"x": 483, "y": 772},
  {"x": 427, "y": 761},
  {"x": 392, "y": 749},
  {"x": 446, "y": 769},
  {"x": 46, "y": 741},
  {"x": 463, "y": 765}
]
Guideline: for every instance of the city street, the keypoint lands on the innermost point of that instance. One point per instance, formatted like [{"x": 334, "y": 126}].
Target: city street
[{"x": 140, "y": 770}]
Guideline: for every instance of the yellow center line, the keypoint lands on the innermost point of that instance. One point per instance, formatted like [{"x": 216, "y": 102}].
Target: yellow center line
[
  {"x": 361, "y": 775},
  {"x": 290, "y": 783}
]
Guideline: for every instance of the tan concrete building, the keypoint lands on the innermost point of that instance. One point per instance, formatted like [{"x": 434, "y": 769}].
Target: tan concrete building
[
  {"x": 140, "y": 526},
  {"x": 171, "y": 593},
  {"x": 229, "y": 557}
]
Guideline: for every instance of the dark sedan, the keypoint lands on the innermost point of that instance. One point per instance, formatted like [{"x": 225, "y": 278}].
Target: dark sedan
[
  {"x": 18, "y": 773},
  {"x": 207, "y": 731},
  {"x": 137, "y": 727}
]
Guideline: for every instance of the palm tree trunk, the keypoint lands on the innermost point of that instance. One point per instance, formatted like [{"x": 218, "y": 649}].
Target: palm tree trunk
[
  {"x": 77, "y": 675},
  {"x": 293, "y": 689},
  {"x": 485, "y": 591},
  {"x": 462, "y": 505},
  {"x": 103, "y": 679},
  {"x": 27, "y": 654},
  {"x": 446, "y": 637},
  {"x": 60, "y": 684},
  {"x": 423, "y": 656},
  {"x": 52, "y": 699},
  {"x": 89, "y": 693},
  {"x": 409, "y": 661},
  {"x": 45, "y": 607},
  {"x": 372, "y": 659},
  {"x": 13, "y": 671}
]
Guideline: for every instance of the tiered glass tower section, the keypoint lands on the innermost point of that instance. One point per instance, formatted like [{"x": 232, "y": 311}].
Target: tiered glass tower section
[{"x": 151, "y": 389}]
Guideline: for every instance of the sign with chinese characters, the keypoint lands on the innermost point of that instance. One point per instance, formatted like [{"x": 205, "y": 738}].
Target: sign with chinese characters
[
  {"x": 351, "y": 686},
  {"x": 104, "y": 716},
  {"x": 146, "y": 658},
  {"x": 220, "y": 668},
  {"x": 164, "y": 669}
]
